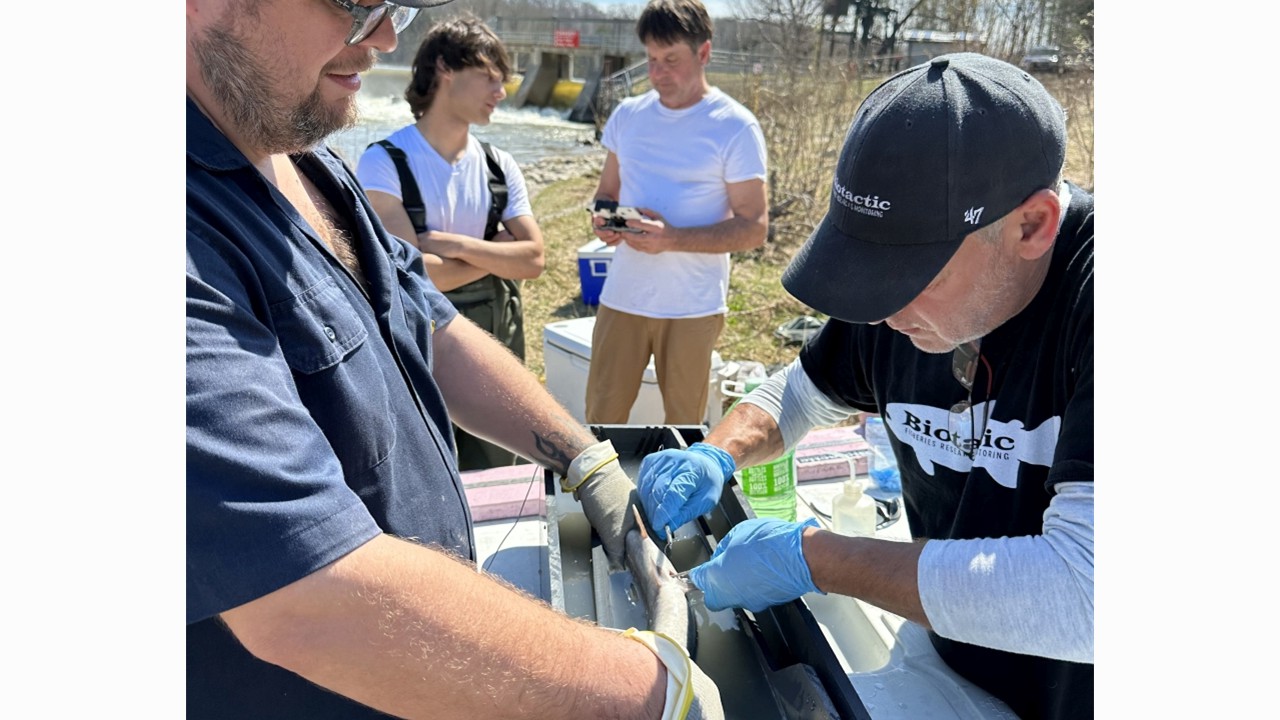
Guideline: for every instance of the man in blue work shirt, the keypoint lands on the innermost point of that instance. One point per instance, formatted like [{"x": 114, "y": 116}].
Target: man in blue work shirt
[{"x": 330, "y": 559}]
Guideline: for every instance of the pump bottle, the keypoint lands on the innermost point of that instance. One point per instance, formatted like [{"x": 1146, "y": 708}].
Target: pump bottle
[{"x": 853, "y": 512}]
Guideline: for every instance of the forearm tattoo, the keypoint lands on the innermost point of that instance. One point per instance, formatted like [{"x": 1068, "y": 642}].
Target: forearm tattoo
[{"x": 555, "y": 450}]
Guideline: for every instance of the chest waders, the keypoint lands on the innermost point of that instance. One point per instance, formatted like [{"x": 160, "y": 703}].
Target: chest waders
[{"x": 491, "y": 302}]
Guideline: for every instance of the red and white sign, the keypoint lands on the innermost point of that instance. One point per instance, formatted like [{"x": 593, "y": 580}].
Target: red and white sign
[{"x": 564, "y": 38}]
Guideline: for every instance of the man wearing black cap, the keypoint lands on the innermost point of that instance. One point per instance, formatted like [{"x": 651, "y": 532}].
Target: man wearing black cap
[
  {"x": 957, "y": 268},
  {"x": 330, "y": 560}
]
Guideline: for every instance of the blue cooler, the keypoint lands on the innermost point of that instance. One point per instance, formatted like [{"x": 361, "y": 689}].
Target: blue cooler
[{"x": 593, "y": 266}]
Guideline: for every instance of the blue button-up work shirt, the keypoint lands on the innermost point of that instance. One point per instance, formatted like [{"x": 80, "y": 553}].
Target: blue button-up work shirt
[{"x": 313, "y": 420}]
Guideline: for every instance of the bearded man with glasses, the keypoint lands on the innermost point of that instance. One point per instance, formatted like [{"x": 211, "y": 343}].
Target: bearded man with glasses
[
  {"x": 330, "y": 551},
  {"x": 957, "y": 268}
]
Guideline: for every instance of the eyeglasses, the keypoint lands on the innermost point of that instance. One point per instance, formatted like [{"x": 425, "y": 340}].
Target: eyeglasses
[
  {"x": 964, "y": 367},
  {"x": 366, "y": 19}
]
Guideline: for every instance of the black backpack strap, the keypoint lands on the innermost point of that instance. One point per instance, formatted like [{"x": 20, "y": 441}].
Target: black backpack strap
[
  {"x": 410, "y": 196},
  {"x": 497, "y": 191}
]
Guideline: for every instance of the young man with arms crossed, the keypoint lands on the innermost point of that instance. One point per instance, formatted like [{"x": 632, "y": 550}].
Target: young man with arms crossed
[{"x": 457, "y": 82}]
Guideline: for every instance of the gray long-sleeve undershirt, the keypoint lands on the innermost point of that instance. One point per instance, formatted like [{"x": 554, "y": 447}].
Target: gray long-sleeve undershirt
[{"x": 1030, "y": 594}]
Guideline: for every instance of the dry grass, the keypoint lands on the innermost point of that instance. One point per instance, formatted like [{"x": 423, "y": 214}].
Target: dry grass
[
  {"x": 557, "y": 294},
  {"x": 804, "y": 119},
  {"x": 1075, "y": 92}
]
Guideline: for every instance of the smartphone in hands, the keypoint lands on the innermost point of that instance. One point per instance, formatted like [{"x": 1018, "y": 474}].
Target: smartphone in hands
[{"x": 615, "y": 217}]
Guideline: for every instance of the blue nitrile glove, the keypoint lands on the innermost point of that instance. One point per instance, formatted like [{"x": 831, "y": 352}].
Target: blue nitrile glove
[
  {"x": 758, "y": 563},
  {"x": 677, "y": 486}
]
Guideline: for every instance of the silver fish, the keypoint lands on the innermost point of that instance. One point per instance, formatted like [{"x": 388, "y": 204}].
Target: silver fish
[{"x": 660, "y": 585}]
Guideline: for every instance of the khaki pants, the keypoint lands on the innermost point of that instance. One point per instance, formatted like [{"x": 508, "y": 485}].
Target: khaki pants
[{"x": 620, "y": 348}]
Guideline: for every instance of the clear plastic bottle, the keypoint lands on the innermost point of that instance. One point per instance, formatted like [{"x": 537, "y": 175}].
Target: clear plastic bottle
[
  {"x": 770, "y": 488},
  {"x": 853, "y": 512},
  {"x": 883, "y": 465}
]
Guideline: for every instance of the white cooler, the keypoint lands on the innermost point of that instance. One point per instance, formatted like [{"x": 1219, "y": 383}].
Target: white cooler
[{"x": 566, "y": 350}]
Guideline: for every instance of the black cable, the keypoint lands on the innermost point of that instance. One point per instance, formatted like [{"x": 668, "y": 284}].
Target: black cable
[{"x": 519, "y": 514}]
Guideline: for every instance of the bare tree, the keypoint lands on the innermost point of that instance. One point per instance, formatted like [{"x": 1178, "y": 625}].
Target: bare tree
[
  {"x": 790, "y": 28},
  {"x": 901, "y": 13}
]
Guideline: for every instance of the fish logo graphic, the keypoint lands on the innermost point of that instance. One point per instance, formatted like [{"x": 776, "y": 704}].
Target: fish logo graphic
[{"x": 1003, "y": 447}]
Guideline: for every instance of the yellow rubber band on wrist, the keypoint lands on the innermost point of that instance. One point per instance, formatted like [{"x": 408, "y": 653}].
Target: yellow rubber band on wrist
[
  {"x": 679, "y": 670},
  {"x": 564, "y": 482}
]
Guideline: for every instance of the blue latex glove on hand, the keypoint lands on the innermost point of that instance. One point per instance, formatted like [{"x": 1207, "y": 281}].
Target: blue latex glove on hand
[
  {"x": 677, "y": 486},
  {"x": 758, "y": 563}
]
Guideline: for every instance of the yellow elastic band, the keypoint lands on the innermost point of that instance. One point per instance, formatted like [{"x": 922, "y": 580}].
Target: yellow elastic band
[
  {"x": 679, "y": 671},
  {"x": 587, "y": 475}
]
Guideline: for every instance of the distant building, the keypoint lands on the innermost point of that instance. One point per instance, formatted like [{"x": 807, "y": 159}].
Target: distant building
[{"x": 923, "y": 45}]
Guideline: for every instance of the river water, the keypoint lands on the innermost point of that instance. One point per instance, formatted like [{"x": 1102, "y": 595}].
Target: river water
[{"x": 529, "y": 134}]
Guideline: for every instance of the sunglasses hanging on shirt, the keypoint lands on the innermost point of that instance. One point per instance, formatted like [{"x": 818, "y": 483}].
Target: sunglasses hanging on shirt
[{"x": 965, "y": 433}]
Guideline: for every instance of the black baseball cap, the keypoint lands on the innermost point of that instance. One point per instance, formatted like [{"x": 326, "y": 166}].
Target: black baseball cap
[{"x": 934, "y": 153}]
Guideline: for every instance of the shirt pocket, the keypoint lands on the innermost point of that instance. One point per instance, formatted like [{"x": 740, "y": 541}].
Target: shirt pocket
[
  {"x": 418, "y": 313},
  {"x": 339, "y": 374}
]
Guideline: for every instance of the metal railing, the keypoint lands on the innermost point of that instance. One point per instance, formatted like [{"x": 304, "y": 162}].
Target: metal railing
[
  {"x": 620, "y": 85},
  {"x": 624, "y": 80}
]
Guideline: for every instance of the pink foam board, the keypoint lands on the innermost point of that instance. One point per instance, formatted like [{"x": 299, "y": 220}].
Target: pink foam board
[
  {"x": 500, "y": 493},
  {"x": 823, "y": 437},
  {"x": 824, "y": 454},
  {"x": 827, "y": 465}
]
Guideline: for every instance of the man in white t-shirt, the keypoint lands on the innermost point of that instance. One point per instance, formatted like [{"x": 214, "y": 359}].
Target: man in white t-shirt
[
  {"x": 692, "y": 160},
  {"x": 457, "y": 81}
]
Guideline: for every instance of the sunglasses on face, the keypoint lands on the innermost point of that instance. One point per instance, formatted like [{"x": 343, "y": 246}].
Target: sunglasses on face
[{"x": 366, "y": 19}]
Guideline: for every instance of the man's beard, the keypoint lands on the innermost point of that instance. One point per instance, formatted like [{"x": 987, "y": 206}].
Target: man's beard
[{"x": 258, "y": 112}]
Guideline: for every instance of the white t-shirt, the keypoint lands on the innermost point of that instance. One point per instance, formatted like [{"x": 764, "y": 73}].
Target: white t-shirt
[
  {"x": 679, "y": 163},
  {"x": 456, "y": 196}
]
